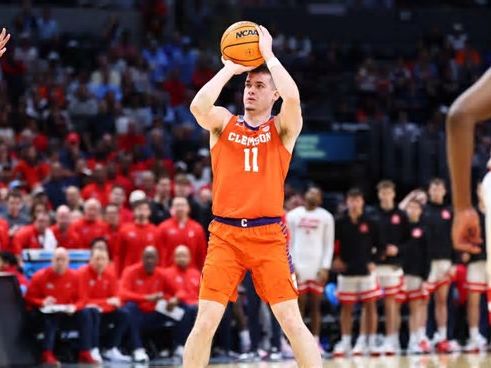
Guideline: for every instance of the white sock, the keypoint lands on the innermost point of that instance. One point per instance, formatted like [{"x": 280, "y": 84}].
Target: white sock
[
  {"x": 372, "y": 340},
  {"x": 474, "y": 333},
  {"x": 362, "y": 339},
  {"x": 413, "y": 338},
  {"x": 442, "y": 331},
  {"x": 346, "y": 340},
  {"x": 394, "y": 339},
  {"x": 421, "y": 333}
]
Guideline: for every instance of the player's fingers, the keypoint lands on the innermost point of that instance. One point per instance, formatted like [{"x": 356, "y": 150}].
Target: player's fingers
[
  {"x": 2, "y": 51},
  {"x": 2, "y": 34},
  {"x": 5, "y": 40}
]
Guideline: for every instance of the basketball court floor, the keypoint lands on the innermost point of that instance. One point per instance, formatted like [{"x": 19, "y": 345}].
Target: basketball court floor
[{"x": 428, "y": 361}]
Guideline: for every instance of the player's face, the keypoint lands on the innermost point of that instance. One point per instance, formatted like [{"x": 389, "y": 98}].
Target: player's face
[
  {"x": 437, "y": 192},
  {"x": 355, "y": 204},
  {"x": 150, "y": 261},
  {"x": 99, "y": 260},
  {"x": 259, "y": 92},
  {"x": 414, "y": 211},
  {"x": 313, "y": 197},
  {"x": 180, "y": 208},
  {"x": 386, "y": 195}
]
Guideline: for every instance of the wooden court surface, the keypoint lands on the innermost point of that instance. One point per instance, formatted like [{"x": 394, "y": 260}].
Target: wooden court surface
[
  {"x": 428, "y": 361},
  {"x": 431, "y": 361}
]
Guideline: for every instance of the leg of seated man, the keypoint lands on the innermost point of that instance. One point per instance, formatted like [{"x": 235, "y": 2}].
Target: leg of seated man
[
  {"x": 51, "y": 322},
  {"x": 135, "y": 317},
  {"x": 121, "y": 320}
]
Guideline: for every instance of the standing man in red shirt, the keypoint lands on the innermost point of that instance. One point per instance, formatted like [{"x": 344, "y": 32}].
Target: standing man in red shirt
[
  {"x": 37, "y": 235},
  {"x": 99, "y": 296},
  {"x": 57, "y": 287},
  {"x": 135, "y": 236},
  {"x": 90, "y": 226},
  {"x": 60, "y": 229},
  {"x": 112, "y": 219},
  {"x": 118, "y": 198},
  {"x": 142, "y": 286},
  {"x": 180, "y": 229}
]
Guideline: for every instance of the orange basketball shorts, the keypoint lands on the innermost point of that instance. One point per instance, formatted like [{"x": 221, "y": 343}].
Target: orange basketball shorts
[{"x": 233, "y": 250}]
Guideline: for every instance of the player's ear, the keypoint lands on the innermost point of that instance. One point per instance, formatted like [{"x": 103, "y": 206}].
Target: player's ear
[{"x": 276, "y": 95}]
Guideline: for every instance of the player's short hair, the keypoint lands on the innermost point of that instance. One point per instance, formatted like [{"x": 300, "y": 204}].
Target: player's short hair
[
  {"x": 437, "y": 181},
  {"x": 263, "y": 68},
  {"x": 386, "y": 184},
  {"x": 354, "y": 193}
]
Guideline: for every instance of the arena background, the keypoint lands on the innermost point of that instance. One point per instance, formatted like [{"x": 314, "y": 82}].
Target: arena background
[{"x": 376, "y": 79}]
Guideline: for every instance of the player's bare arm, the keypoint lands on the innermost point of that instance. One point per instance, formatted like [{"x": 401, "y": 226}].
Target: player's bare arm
[
  {"x": 4, "y": 38},
  {"x": 472, "y": 107},
  {"x": 209, "y": 116},
  {"x": 289, "y": 120}
]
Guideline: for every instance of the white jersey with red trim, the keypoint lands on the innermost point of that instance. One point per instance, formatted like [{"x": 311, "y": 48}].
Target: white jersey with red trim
[{"x": 311, "y": 240}]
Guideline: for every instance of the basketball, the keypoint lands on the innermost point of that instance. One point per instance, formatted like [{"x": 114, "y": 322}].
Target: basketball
[{"x": 240, "y": 44}]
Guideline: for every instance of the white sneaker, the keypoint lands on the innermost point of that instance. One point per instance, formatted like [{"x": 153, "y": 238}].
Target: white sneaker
[
  {"x": 341, "y": 349},
  {"x": 114, "y": 355},
  {"x": 388, "y": 348},
  {"x": 360, "y": 348},
  {"x": 96, "y": 355},
  {"x": 140, "y": 356},
  {"x": 374, "y": 350},
  {"x": 414, "y": 348},
  {"x": 179, "y": 352},
  {"x": 476, "y": 345}
]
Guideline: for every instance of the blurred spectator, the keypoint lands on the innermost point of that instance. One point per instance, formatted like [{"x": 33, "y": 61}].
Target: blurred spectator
[
  {"x": 457, "y": 37},
  {"x": 112, "y": 218},
  {"x": 48, "y": 29},
  {"x": 117, "y": 196},
  {"x": 99, "y": 188},
  {"x": 73, "y": 199},
  {"x": 71, "y": 152},
  {"x": 157, "y": 61},
  {"x": 90, "y": 226},
  {"x": 161, "y": 203},
  {"x": 142, "y": 287},
  {"x": 183, "y": 188},
  {"x": 183, "y": 277},
  {"x": 64, "y": 238},
  {"x": 57, "y": 286},
  {"x": 10, "y": 265},
  {"x": 37, "y": 236},
  {"x": 30, "y": 168},
  {"x": 136, "y": 236},
  {"x": 99, "y": 297},
  {"x": 56, "y": 185},
  {"x": 4, "y": 235},
  {"x": 13, "y": 213},
  {"x": 181, "y": 230}
]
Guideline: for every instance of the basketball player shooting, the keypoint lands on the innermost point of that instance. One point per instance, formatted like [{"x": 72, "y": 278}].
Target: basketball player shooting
[
  {"x": 250, "y": 158},
  {"x": 4, "y": 38},
  {"x": 472, "y": 107}
]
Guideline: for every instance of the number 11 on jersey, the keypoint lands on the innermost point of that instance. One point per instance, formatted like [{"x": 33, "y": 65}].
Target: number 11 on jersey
[{"x": 247, "y": 159}]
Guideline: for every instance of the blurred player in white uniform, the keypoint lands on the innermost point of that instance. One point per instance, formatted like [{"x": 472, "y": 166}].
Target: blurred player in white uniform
[{"x": 312, "y": 245}]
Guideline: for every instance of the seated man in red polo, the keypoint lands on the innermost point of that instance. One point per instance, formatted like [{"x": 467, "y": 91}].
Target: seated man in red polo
[
  {"x": 37, "y": 235},
  {"x": 99, "y": 296},
  {"x": 54, "y": 294},
  {"x": 144, "y": 288},
  {"x": 183, "y": 277}
]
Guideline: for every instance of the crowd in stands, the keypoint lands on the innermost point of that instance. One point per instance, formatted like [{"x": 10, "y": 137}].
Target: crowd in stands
[{"x": 101, "y": 152}]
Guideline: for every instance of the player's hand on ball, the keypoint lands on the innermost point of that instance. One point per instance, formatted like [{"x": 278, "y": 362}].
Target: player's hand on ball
[
  {"x": 466, "y": 231},
  {"x": 265, "y": 43},
  {"x": 236, "y": 68},
  {"x": 4, "y": 38}
]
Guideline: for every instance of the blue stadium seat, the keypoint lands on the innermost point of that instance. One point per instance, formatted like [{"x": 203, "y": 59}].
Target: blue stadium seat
[{"x": 36, "y": 259}]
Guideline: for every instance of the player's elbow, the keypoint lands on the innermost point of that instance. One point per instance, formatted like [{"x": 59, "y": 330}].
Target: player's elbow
[{"x": 459, "y": 113}]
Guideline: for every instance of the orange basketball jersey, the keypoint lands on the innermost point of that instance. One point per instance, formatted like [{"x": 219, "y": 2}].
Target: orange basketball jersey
[{"x": 249, "y": 166}]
